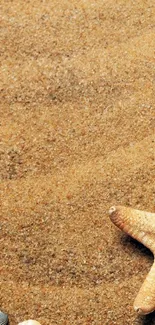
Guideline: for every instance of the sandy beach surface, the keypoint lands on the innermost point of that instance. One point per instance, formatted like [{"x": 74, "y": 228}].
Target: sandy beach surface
[{"x": 77, "y": 135}]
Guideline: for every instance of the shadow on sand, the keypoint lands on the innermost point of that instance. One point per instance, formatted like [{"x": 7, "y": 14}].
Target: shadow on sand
[{"x": 148, "y": 319}]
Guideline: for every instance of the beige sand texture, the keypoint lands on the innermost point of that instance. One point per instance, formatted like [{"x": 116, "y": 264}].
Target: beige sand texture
[{"x": 77, "y": 132}]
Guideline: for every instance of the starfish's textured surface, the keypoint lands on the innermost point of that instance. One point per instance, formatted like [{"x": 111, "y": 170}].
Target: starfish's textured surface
[{"x": 141, "y": 226}]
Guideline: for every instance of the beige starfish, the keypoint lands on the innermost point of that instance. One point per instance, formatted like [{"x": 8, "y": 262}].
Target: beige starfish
[{"x": 141, "y": 226}]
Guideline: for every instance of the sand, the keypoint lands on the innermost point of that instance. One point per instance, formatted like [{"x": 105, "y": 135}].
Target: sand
[{"x": 77, "y": 135}]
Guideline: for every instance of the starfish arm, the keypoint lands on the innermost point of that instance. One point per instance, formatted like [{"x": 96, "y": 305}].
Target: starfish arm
[
  {"x": 145, "y": 300},
  {"x": 141, "y": 226},
  {"x": 138, "y": 224}
]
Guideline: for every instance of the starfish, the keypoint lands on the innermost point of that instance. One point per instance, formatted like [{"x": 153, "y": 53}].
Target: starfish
[{"x": 141, "y": 226}]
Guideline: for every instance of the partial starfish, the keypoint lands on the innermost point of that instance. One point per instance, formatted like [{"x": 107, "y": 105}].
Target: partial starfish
[{"x": 141, "y": 226}]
